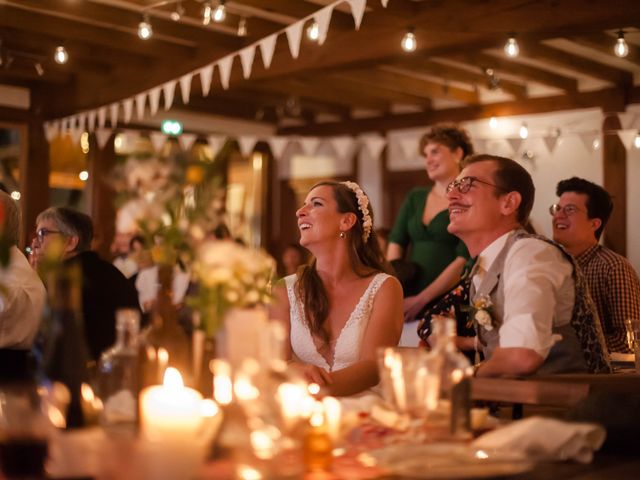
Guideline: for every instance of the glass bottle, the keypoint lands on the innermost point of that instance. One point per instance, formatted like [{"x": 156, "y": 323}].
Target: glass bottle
[
  {"x": 455, "y": 377},
  {"x": 118, "y": 371}
]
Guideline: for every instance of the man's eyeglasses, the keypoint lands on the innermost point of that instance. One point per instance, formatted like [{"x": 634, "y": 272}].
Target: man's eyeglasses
[
  {"x": 464, "y": 184},
  {"x": 43, "y": 232},
  {"x": 568, "y": 209}
]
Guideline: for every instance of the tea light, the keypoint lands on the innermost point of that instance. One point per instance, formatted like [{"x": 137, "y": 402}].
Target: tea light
[{"x": 171, "y": 411}]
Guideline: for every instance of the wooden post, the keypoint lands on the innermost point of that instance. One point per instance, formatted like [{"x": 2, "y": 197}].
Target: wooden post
[
  {"x": 101, "y": 196},
  {"x": 615, "y": 182}
]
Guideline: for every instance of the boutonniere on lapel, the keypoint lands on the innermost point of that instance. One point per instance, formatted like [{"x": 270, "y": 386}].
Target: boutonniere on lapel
[{"x": 480, "y": 312}]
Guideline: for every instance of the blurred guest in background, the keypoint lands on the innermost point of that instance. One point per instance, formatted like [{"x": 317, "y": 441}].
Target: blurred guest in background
[
  {"x": 121, "y": 251},
  {"x": 293, "y": 256},
  {"x": 64, "y": 234},
  {"x": 579, "y": 218},
  {"x": 22, "y": 293},
  {"x": 342, "y": 306}
]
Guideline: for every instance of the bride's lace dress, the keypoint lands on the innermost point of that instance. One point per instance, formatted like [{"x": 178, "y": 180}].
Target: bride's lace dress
[{"x": 347, "y": 344}]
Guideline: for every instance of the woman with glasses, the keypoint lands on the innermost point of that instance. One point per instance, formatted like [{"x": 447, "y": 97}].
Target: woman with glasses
[{"x": 421, "y": 225}]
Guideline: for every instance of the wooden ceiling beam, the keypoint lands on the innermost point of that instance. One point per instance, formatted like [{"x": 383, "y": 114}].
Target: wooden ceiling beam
[
  {"x": 294, "y": 9},
  {"x": 416, "y": 86},
  {"x": 450, "y": 73},
  {"x": 578, "y": 63},
  {"x": 337, "y": 80},
  {"x": 610, "y": 100},
  {"x": 63, "y": 28}
]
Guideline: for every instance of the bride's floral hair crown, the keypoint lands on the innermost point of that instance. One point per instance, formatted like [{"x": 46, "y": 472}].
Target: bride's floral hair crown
[{"x": 363, "y": 206}]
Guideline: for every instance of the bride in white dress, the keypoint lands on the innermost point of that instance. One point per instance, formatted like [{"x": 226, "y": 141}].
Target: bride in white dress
[{"x": 342, "y": 307}]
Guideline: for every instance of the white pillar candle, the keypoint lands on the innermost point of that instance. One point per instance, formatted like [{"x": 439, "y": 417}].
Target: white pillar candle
[{"x": 171, "y": 412}]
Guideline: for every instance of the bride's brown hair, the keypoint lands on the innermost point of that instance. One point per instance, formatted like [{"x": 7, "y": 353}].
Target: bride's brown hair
[{"x": 365, "y": 258}]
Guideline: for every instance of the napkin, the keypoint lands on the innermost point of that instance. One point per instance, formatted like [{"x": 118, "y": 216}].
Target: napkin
[{"x": 546, "y": 439}]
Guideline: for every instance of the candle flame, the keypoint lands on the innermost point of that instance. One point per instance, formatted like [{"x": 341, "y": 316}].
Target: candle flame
[
  {"x": 173, "y": 379},
  {"x": 87, "y": 392},
  {"x": 317, "y": 417},
  {"x": 209, "y": 408}
]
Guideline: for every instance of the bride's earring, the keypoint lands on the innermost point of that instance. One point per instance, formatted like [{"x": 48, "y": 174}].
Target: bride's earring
[{"x": 342, "y": 235}]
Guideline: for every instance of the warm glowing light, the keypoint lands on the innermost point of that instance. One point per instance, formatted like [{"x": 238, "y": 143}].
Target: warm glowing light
[
  {"x": 313, "y": 388},
  {"x": 208, "y": 408},
  {"x": 524, "y": 131},
  {"x": 61, "y": 56},
  {"x": 621, "y": 49},
  {"x": 244, "y": 389},
  {"x": 84, "y": 142},
  {"x": 409, "y": 43},
  {"x": 206, "y": 14},
  {"x": 511, "y": 48},
  {"x": 482, "y": 455},
  {"x": 145, "y": 30},
  {"x": 242, "y": 28},
  {"x": 15, "y": 195},
  {"x": 83, "y": 175},
  {"x": 172, "y": 379},
  {"x": 220, "y": 13},
  {"x": 317, "y": 417},
  {"x": 596, "y": 143},
  {"x": 636, "y": 141},
  {"x": 177, "y": 14},
  {"x": 313, "y": 31},
  {"x": 245, "y": 472},
  {"x": 493, "y": 123},
  {"x": 222, "y": 386}
]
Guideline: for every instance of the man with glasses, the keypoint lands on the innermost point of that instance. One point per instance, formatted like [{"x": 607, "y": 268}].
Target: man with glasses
[
  {"x": 22, "y": 294},
  {"x": 528, "y": 299},
  {"x": 579, "y": 218},
  {"x": 63, "y": 234}
]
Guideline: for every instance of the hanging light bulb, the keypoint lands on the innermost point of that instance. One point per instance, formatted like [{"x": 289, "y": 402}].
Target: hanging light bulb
[
  {"x": 177, "y": 14},
  {"x": 39, "y": 69},
  {"x": 61, "y": 56},
  {"x": 636, "y": 141},
  {"x": 242, "y": 27},
  {"x": 596, "y": 143},
  {"x": 220, "y": 13},
  {"x": 409, "y": 43},
  {"x": 524, "y": 131},
  {"x": 313, "y": 31},
  {"x": 621, "y": 49},
  {"x": 493, "y": 123},
  {"x": 206, "y": 13},
  {"x": 511, "y": 48},
  {"x": 145, "y": 30}
]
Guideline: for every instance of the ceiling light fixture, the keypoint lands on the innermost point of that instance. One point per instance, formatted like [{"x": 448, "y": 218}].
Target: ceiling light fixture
[
  {"x": 39, "y": 69},
  {"x": 242, "y": 27},
  {"x": 177, "y": 14},
  {"x": 145, "y": 30},
  {"x": 409, "y": 43},
  {"x": 61, "y": 56},
  {"x": 313, "y": 31},
  {"x": 206, "y": 13},
  {"x": 524, "y": 131},
  {"x": 636, "y": 141},
  {"x": 621, "y": 48},
  {"x": 220, "y": 13},
  {"x": 493, "y": 123},
  {"x": 511, "y": 48}
]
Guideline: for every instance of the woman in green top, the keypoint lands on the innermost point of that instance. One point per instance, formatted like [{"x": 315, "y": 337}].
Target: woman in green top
[{"x": 423, "y": 219}]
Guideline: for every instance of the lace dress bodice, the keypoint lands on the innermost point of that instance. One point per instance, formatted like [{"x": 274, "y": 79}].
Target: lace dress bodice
[{"x": 348, "y": 342}]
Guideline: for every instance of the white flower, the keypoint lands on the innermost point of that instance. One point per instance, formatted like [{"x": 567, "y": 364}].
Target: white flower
[{"x": 483, "y": 318}]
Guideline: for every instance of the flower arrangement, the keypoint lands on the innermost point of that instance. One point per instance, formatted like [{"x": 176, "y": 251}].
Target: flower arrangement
[{"x": 479, "y": 313}]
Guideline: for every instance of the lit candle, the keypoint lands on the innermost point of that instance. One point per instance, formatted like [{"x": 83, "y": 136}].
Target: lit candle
[
  {"x": 222, "y": 385},
  {"x": 163, "y": 361},
  {"x": 332, "y": 414},
  {"x": 171, "y": 411}
]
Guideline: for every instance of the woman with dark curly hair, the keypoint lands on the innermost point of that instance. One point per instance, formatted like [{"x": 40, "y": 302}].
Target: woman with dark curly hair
[
  {"x": 422, "y": 222},
  {"x": 343, "y": 305}
]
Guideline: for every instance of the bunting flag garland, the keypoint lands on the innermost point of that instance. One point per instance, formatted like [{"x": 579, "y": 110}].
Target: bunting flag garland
[
  {"x": 278, "y": 145},
  {"x": 357, "y": 10},
  {"x": 246, "y": 144},
  {"x": 589, "y": 140},
  {"x": 384, "y": 3},
  {"x": 216, "y": 142},
  {"x": 309, "y": 145},
  {"x": 515, "y": 143},
  {"x": 185, "y": 87},
  {"x": 374, "y": 144},
  {"x": 294, "y": 35},
  {"x": 158, "y": 139},
  {"x": 246, "y": 59},
  {"x": 186, "y": 141},
  {"x": 141, "y": 100},
  {"x": 113, "y": 115},
  {"x": 551, "y": 142},
  {"x": 224, "y": 68},
  {"x": 409, "y": 147},
  {"x": 82, "y": 121},
  {"x": 267, "y": 47},
  {"x": 102, "y": 117},
  {"x": 168, "y": 90},
  {"x": 91, "y": 119},
  {"x": 128, "y": 110},
  {"x": 323, "y": 17},
  {"x": 342, "y": 145},
  {"x": 154, "y": 100},
  {"x": 51, "y": 130},
  {"x": 102, "y": 135},
  {"x": 206, "y": 75},
  {"x": 75, "y": 133},
  {"x": 627, "y": 137}
]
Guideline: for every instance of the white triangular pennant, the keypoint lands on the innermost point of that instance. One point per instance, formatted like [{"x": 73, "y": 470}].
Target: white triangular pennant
[
  {"x": 91, "y": 120},
  {"x": 323, "y": 18},
  {"x": 224, "y": 69},
  {"x": 51, "y": 130},
  {"x": 267, "y": 47},
  {"x": 342, "y": 146},
  {"x": 158, "y": 139},
  {"x": 168, "y": 91},
  {"x": 294, "y": 35},
  {"x": 64, "y": 126},
  {"x": 102, "y": 135},
  {"x": 627, "y": 137},
  {"x": 113, "y": 114},
  {"x": 515, "y": 144},
  {"x": 128, "y": 109},
  {"x": 357, "y": 10},
  {"x": 102, "y": 117},
  {"x": 141, "y": 100},
  {"x": 247, "y": 56},
  {"x": 82, "y": 121},
  {"x": 73, "y": 122},
  {"x": 186, "y": 141},
  {"x": 185, "y": 87},
  {"x": 588, "y": 140},
  {"x": 384, "y": 3},
  {"x": 551, "y": 142},
  {"x": 246, "y": 144},
  {"x": 374, "y": 143},
  {"x": 278, "y": 146},
  {"x": 75, "y": 133},
  {"x": 309, "y": 145},
  {"x": 206, "y": 74},
  {"x": 216, "y": 142},
  {"x": 627, "y": 120},
  {"x": 409, "y": 147},
  {"x": 154, "y": 100}
]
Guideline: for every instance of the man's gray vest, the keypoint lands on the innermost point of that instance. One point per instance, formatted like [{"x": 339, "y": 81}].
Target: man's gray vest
[{"x": 582, "y": 347}]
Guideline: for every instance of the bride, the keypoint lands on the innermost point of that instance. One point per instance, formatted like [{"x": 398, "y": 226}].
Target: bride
[{"x": 342, "y": 307}]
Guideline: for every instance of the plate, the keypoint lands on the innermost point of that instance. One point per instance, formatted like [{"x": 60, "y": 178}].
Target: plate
[{"x": 445, "y": 460}]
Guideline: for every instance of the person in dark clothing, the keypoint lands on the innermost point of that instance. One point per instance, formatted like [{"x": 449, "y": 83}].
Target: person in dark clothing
[{"x": 66, "y": 234}]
